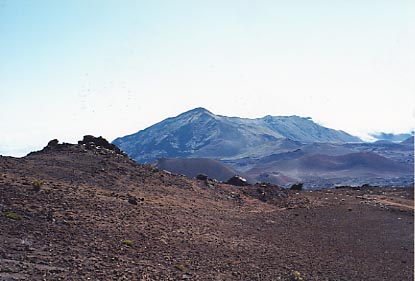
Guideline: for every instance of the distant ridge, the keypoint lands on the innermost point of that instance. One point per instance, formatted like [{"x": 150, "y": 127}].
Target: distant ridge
[
  {"x": 392, "y": 137},
  {"x": 200, "y": 133}
]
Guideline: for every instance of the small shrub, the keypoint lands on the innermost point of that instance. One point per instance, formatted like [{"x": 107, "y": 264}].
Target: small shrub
[
  {"x": 128, "y": 242},
  {"x": 12, "y": 216},
  {"x": 293, "y": 276},
  {"x": 297, "y": 275},
  {"x": 180, "y": 267},
  {"x": 37, "y": 184}
]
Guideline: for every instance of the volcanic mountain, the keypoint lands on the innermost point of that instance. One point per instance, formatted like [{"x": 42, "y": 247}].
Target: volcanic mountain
[
  {"x": 200, "y": 133},
  {"x": 88, "y": 212},
  {"x": 281, "y": 150}
]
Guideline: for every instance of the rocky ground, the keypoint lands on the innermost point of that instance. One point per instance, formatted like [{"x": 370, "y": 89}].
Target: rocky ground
[{"x": 82, "y": 212}]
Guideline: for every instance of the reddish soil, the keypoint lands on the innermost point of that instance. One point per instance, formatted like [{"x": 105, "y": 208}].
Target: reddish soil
[{"x": 91, "y": 201}]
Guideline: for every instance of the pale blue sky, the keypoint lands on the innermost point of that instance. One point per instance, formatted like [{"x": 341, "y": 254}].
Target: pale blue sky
[{"x": 111, "y": 68}]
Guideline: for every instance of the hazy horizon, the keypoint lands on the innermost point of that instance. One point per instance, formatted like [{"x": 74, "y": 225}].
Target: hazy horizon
[{"x": 112, "y": 68}]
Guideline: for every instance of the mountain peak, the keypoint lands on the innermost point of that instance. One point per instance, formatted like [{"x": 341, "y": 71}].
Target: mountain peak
[
  {"x": 194, "y": 114},
  {"x": 198, "y": 110}
]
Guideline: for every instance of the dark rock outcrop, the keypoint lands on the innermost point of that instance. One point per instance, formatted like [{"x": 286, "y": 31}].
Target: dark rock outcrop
[
  {"x": 202, "y": 177},
  {"x": 237, "y": 181},
  {"x": 90, "y": 140},
  {"x": 53, "y": 143},
  {"x": 297, "y": 186}
]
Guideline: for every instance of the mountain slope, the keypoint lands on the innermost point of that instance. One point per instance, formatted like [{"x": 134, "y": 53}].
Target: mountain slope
[
  {"x": 200, "y": 133},
  {"x": 321, "y": 170},
  {"x": 408, "y": 141}
]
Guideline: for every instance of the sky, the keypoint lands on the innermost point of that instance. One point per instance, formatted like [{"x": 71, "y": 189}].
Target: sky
[{"x": 111, "y": 68}]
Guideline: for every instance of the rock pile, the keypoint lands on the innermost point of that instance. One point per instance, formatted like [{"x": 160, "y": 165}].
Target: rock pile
[{"x": 91, "y": 141}]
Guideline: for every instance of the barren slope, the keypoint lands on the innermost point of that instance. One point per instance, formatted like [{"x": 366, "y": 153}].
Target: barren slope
[{"x": 79, "y": 223}]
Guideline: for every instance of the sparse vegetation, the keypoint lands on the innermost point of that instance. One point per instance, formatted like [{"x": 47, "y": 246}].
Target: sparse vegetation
[
  {"x": 128, "y": 242},
  {"x": 12, "y": 216},
  {"x": 292, "y": 276},
  {"x": 296, "y": 275},
  {"x": 180, "y": 267},
  {"x": 37, "y": 184}
]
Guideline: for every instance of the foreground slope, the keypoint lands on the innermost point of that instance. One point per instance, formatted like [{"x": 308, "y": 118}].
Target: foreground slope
[{"x": 98, "y": 215}]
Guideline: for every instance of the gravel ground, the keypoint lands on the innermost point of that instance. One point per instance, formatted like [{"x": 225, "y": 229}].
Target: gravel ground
[{"x": 74, "y": 212}]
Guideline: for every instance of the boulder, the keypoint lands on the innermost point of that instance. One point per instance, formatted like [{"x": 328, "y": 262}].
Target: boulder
[
  {"x": 202, "y": 177},
  {"x": 297, "y": 186},
  {"x": 132, "y": 200},
  {"x": 237, "y": 181},
  {"x": 53, "y": 143}
]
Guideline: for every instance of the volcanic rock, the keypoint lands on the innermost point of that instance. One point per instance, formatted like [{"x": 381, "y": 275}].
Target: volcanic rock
[
  {"x": 237, "y": 181},
  {"x": 90, "y": 140}
]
